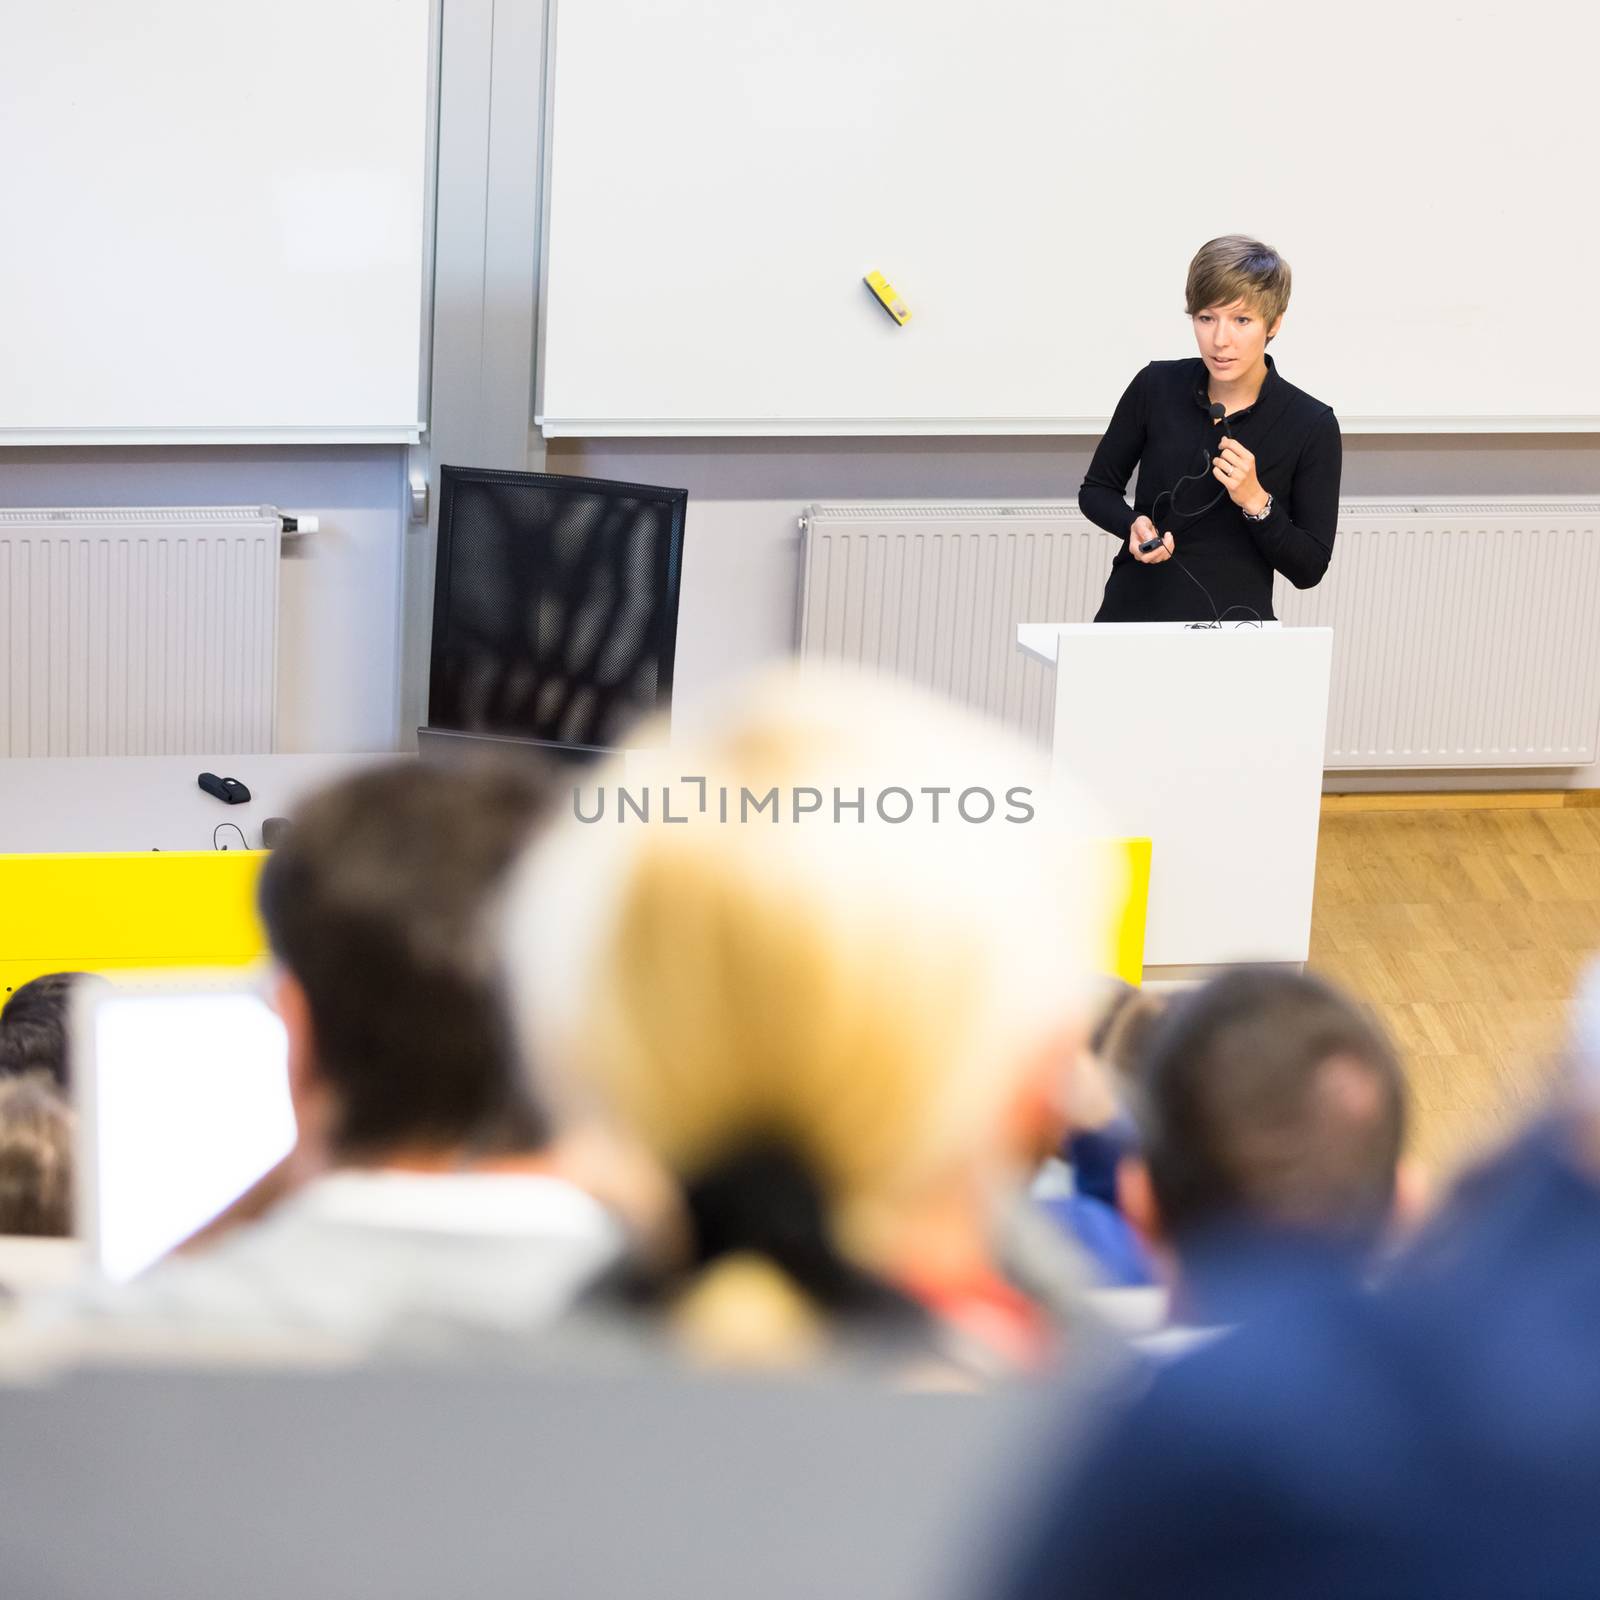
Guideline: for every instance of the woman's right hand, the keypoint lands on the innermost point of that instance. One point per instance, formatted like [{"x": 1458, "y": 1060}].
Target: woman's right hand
[{"x": 1142, "y": 532}]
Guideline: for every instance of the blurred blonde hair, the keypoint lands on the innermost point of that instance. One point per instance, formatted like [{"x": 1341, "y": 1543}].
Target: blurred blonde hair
[{"x": 866, "y": 993}]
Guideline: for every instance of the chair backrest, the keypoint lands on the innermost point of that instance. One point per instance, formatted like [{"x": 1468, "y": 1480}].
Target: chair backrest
[{"x": 555, "y": 605}]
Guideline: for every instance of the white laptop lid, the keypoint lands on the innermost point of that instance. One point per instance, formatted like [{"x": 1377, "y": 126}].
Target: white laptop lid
[{"x": 183, "y": 1102}]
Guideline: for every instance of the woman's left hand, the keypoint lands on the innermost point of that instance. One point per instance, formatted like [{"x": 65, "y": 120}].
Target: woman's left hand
[{"x": 1235, "y": 470}]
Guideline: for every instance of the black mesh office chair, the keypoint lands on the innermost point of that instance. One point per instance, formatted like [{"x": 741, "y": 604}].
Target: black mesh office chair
[{"x": 555, "y": 613}]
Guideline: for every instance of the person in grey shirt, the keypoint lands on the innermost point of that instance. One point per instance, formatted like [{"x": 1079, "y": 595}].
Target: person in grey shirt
[{"x": 426, "y": 1193}]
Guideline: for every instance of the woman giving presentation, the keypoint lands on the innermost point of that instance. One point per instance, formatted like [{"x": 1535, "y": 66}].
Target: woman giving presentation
[{"x": 1238, "y": 469}]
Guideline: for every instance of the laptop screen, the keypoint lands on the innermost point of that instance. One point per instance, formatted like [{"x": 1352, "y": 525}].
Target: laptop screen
[{"x": 183, "y": 1101}]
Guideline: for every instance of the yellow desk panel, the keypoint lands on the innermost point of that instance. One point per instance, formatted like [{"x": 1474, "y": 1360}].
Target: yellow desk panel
[
  {"x": 105, "y": 912},
  {"x": 1123, "y": 955}
]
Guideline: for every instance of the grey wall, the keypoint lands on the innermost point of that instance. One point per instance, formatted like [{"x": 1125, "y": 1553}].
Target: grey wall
[
  {"x": 340, "y": 643},
  {"x": 741, "y": 562},
  {"x": 490, "y": 113},
  {"x": 339, "y": 628}
]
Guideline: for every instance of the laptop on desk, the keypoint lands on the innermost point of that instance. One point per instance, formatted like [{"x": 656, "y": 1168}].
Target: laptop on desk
[{"x": 182, "y": 1093}]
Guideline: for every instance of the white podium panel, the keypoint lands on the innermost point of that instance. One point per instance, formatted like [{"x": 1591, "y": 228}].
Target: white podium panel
[{"x": 1210, "y": 743}]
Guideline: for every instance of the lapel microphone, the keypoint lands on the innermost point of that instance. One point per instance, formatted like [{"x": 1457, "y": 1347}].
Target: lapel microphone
[{"x": 1219, "y": 423}]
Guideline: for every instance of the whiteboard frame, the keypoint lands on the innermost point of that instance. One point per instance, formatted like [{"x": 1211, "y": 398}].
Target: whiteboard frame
[
  {"x": 392, "y": 433},
  {"x": 430, "y": 214},
  {"x": 547, "y": 142},
  {"x": 24, "y": 438},
  {"x": 1005, "y": 427}
]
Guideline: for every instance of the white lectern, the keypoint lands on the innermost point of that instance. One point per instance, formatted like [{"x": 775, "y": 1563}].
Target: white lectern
[{"x": 1208, "y": 741}]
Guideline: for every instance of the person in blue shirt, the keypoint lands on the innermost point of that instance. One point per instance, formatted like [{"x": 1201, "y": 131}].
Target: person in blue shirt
[
  {"x": 1078, "y": 1188},
  {"x": 1440, "y": 1437},
  {"x": 1270, "y": 1112}
]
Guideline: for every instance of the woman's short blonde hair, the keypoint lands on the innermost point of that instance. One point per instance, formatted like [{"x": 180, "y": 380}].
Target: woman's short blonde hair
[
  {"x": 1238, "y": 268},
  {"x": 864, "y": 991}
]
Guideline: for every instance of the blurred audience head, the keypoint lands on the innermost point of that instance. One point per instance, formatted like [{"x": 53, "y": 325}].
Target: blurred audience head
[
  {"x": 810, "y": 999},
  {"x": 1267, "y": 1099},
  {"x": 375, "y": 909},
  {"x": 1096, "y": 1094},
  {"x": 1123, "y": 1029},
  {"x": 35, "y": 1158},
  {"x": 34, "y": 1026}
]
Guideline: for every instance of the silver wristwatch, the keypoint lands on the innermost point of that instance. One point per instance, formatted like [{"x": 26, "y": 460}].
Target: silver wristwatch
[{"x": 1262, "y": 514}]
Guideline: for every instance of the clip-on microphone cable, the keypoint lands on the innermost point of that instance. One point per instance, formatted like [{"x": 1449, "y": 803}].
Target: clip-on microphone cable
[{"x": 1219, "y": 419}]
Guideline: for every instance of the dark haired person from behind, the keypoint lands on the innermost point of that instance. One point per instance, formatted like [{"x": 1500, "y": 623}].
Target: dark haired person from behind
[
  {"x": 1438, "y": 1437},
  {"x": 441, "y": 1202},
  {"x": 1224, "y": 504},
  {"x": 33, "y": 1027},
  {"x": 1271, "y": 1115}
]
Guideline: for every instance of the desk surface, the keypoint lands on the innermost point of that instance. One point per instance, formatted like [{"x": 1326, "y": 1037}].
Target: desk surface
[{"x": 57, "y": 803}]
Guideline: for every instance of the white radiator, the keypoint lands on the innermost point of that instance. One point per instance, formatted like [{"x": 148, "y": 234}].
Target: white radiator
[
  {"x": 138, "y": 632},
  {"x": 1466, "y": 633}
]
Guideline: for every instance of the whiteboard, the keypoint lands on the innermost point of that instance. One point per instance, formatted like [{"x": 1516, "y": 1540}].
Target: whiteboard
[
  {"x": 213, "y": 219},
  {"x": 1033, "y": 177}
]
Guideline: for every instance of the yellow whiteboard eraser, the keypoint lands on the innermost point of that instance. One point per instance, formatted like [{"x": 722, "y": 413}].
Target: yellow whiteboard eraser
[{"x": 884, "y": 293}]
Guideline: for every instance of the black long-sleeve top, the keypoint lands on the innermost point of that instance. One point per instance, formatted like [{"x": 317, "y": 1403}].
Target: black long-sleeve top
[{"x": 1163, "y": 426}]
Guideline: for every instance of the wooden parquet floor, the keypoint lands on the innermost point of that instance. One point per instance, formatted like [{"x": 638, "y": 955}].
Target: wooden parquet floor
[{"x": 1466, "y": 931}]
